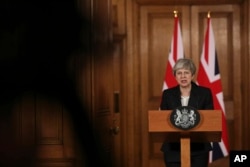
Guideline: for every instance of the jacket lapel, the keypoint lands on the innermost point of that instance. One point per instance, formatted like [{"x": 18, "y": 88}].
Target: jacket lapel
[
  {"x": 194, "y": 97},
  {"x": 177, "y": 97}
]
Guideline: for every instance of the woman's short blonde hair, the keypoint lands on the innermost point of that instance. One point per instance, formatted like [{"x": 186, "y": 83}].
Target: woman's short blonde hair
[{"x": 184, "y": 63}]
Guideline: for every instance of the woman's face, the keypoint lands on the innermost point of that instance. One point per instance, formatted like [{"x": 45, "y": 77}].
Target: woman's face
[{"x": 184, "y": 77}]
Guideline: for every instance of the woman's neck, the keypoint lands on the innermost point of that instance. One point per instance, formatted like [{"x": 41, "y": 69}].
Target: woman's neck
[{"x": 185, "y": 91}]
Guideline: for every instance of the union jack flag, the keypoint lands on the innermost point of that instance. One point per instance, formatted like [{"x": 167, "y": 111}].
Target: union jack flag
[
  {"x": 209, "y": 76},
  {"x": 176, "y": 52}
]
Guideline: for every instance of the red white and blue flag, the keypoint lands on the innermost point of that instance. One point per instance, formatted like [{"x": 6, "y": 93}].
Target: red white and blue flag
[
  {"x": 209, "y": 76},
  {"x": 176, "y": 52}
]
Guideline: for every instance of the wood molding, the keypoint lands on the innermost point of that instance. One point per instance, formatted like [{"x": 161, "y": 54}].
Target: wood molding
[
  {"x": 56, "y": 162},
  {"x": 48, "y": 121},
  {"x": 188, "y": 2}
]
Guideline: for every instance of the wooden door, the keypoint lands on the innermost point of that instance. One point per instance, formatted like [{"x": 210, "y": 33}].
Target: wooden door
[
  {"x": 107, "y": 51},
  {"x": 155, "y": 39},
  {"x": 43, "y": 132},
  {"x": 156, "y": 27},
  {"x": 226, "y": 27}
]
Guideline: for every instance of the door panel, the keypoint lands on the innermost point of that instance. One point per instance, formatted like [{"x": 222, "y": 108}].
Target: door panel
[
  {"x": 102, "y": 79},
  {"x": 155, "y": 39},
  {"x": 118, "y": 109},
  {"x": 42, "y": 132},
  {"x": 226, "y": 27},
  {"x": 106, "y": 73}
]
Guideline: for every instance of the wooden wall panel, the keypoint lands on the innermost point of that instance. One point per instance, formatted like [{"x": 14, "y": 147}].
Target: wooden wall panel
[
  {"x": 155, "y": 40},
  {"x": 226, "y": 27},
  {"x": 188, "y": 2},
  {"x": 56, "y": 163},
  {"x": 245, "y": 38},
  {"x": 42, "y": 133},
  {"x": 25, "y": 112},
  {"x": 48, "y": 121},
  {"x": 54, "y": 132},
  {"x": 156, "y": 29},
  {"x": 102, "y": 78},
  {"x": 102, "y": 59},
  {"x": 118, "y": 16}
]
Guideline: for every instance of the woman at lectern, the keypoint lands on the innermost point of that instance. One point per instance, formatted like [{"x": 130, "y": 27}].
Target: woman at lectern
[{"x": 186, "y": 93}]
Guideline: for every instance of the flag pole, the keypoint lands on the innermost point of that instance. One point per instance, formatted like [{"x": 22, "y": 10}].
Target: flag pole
[
  {"x": 175, "y": 13},
  {"x": 208, "y": 14}
]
